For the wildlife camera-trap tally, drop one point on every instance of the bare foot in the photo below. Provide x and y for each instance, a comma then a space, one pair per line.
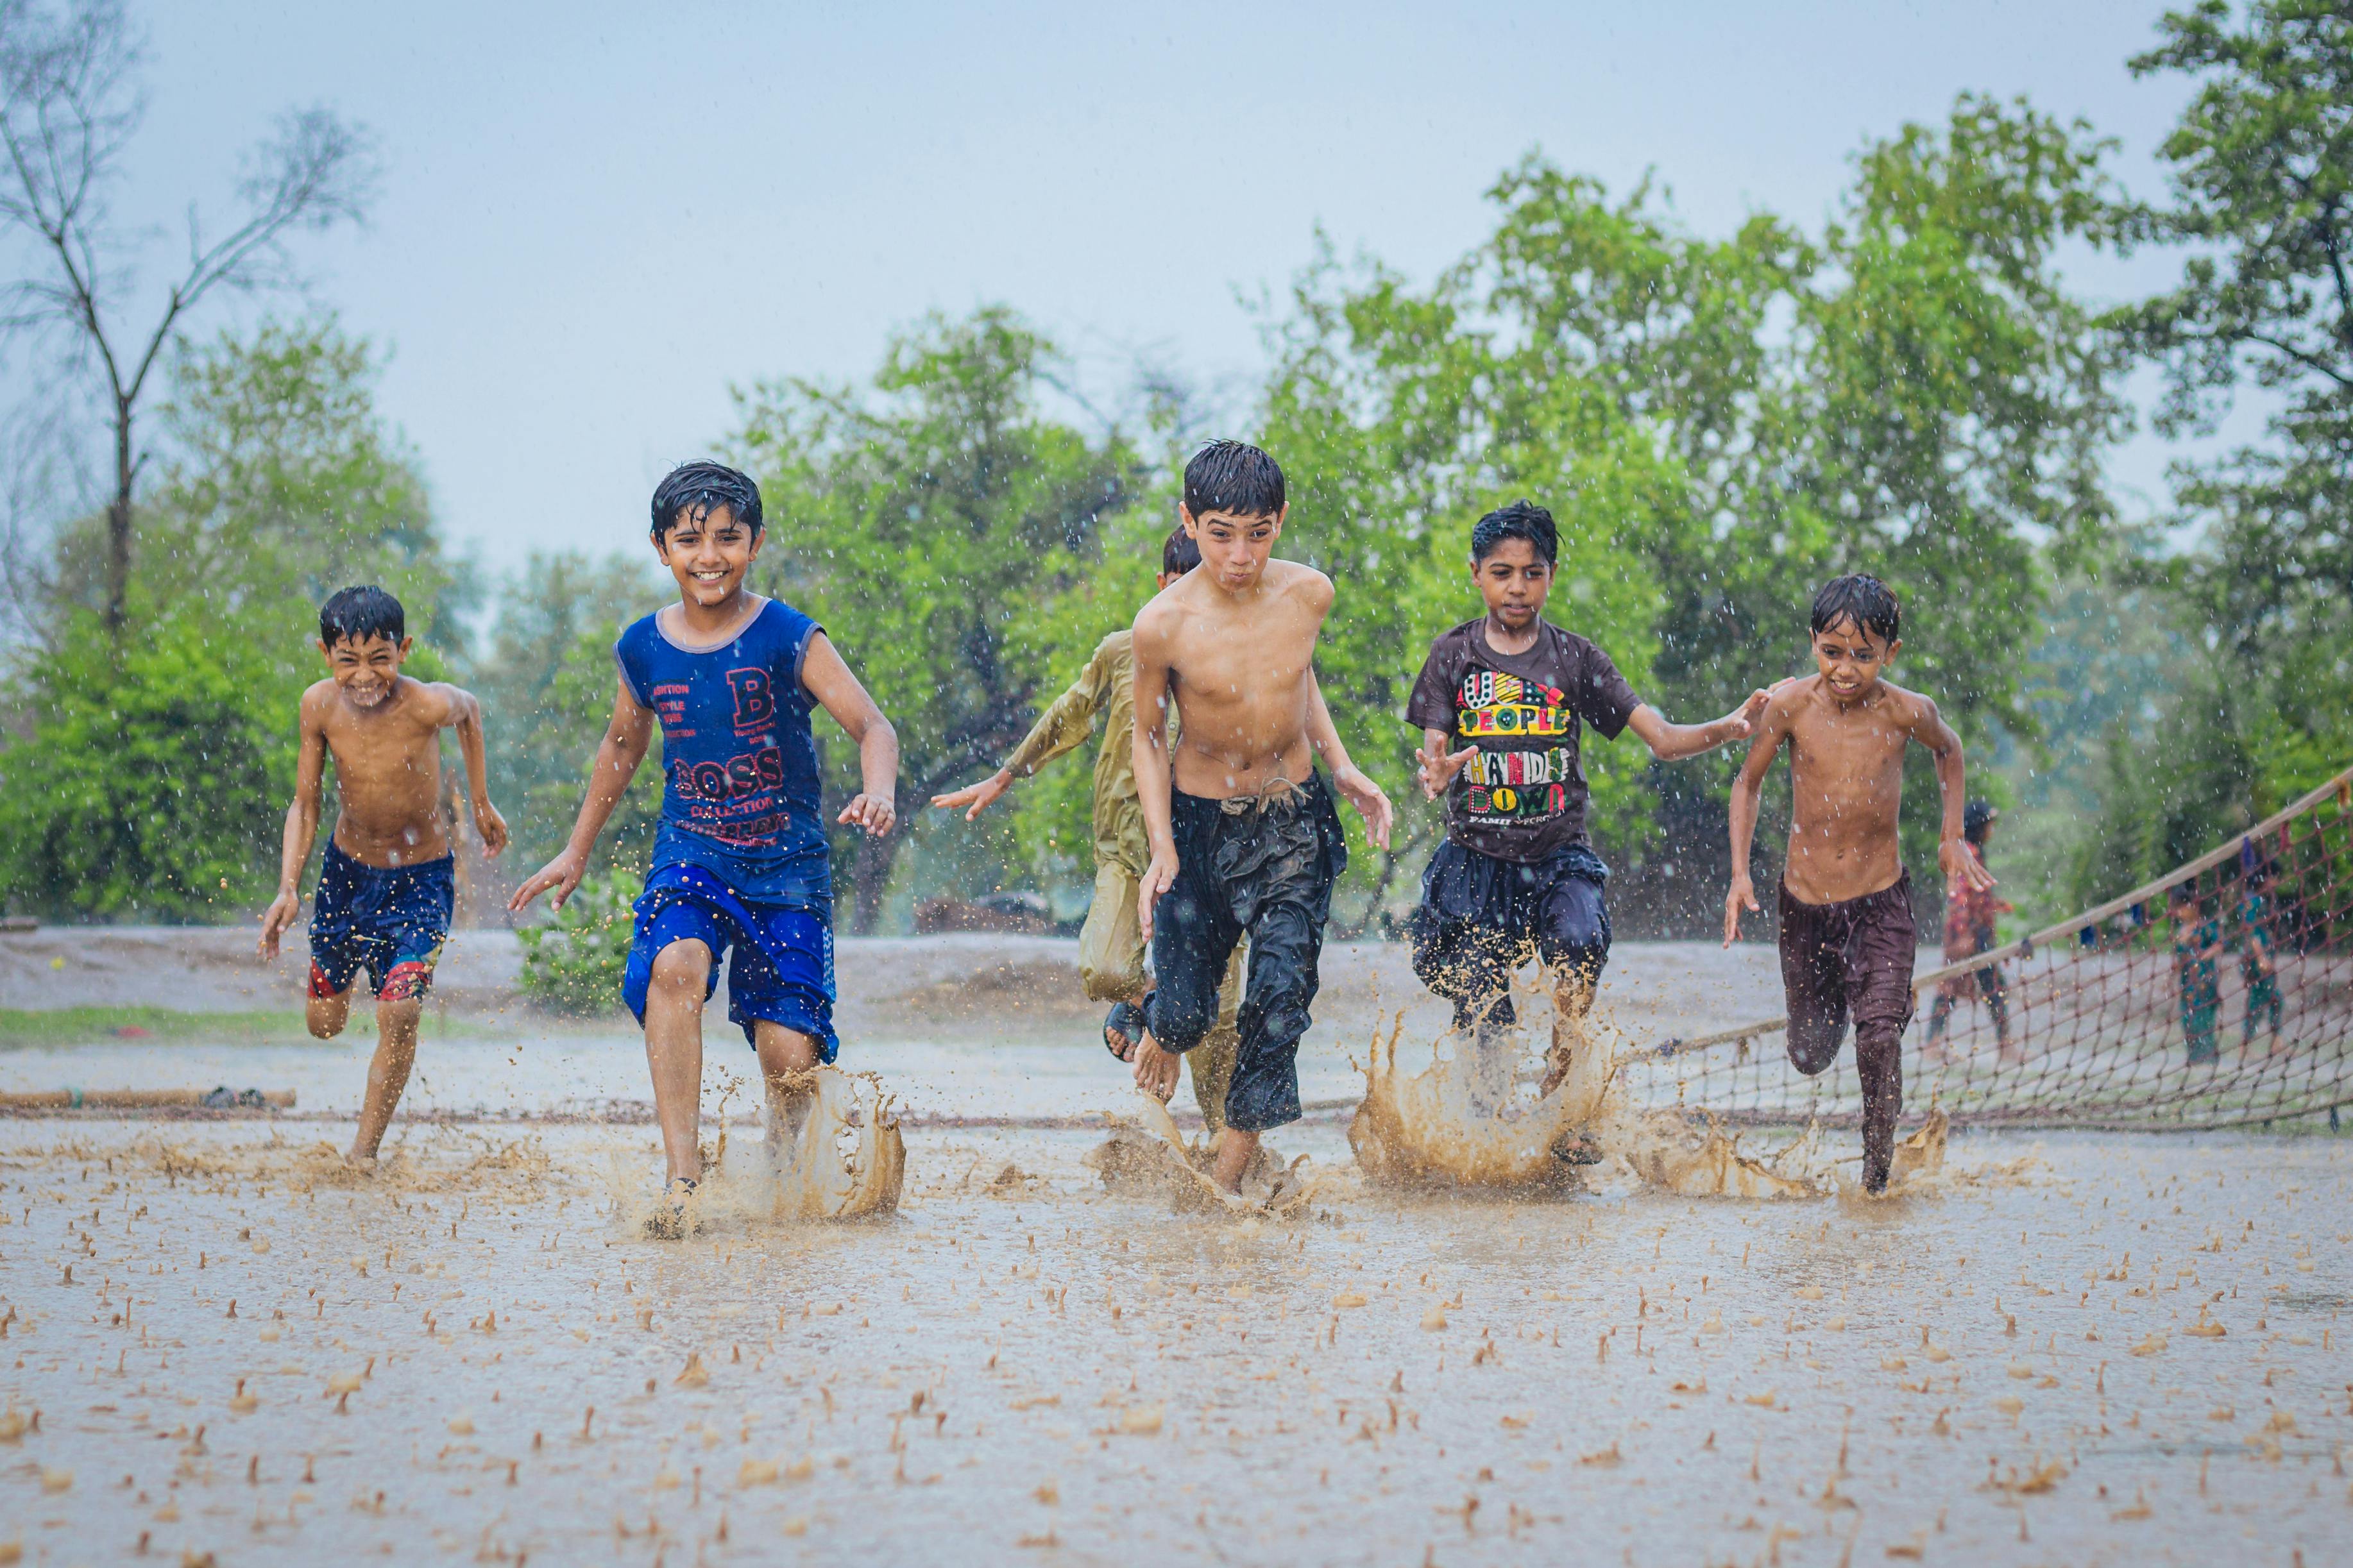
1156, 1070
1235, 1151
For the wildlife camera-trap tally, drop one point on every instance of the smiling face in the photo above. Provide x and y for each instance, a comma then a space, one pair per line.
1852, 660
709, 555
1514, 580
1234, 548
366, 668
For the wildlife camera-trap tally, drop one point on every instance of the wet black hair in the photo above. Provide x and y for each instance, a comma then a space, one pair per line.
1862, 598
1976, 818
1178, 554
1234, 478
701, 489
359, 613
1521, 520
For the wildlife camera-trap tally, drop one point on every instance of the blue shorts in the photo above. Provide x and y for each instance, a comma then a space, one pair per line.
782, 970
390, 921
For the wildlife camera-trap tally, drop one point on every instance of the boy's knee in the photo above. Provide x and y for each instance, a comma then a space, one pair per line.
1180, 1025
1813, 1047
683, 963
1112, 984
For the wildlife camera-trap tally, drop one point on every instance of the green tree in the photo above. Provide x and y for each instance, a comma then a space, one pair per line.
544, 674
160, 755
947, 532
1719, 425
2261, 175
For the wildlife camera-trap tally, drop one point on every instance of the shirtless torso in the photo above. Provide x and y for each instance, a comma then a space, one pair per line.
1846, 774
388, 767
1240, 669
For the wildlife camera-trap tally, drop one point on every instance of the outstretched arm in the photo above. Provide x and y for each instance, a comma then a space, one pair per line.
301, 831
875, 806
1363, 793
1671, 743
1929, 729
1061, 728
1151, 763
465, 714
1748, 794
627, 735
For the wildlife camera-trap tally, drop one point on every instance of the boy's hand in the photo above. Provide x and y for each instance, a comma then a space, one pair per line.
1751, 712
492, 826
277, 918
1961, 867
1156, 1070
1158, 877
1437, 766
1743, 896
875, 813
563, 873
1370, 803
979, 796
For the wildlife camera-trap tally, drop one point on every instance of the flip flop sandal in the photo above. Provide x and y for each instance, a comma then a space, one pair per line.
1124, 1021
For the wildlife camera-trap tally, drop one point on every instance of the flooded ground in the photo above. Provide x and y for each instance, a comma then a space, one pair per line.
2090, 1348
232, 1349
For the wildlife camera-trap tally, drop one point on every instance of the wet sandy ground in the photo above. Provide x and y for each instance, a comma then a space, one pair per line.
233, 1350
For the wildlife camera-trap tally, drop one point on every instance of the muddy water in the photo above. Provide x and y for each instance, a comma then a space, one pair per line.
471, 1357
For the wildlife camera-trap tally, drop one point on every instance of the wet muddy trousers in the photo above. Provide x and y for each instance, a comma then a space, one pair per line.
1853, 959
1481, 918
1264, 868
1111, 967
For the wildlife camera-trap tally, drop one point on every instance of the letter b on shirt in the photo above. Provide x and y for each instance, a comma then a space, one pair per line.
755, 699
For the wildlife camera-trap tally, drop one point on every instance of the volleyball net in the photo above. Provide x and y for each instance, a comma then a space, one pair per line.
2217, 995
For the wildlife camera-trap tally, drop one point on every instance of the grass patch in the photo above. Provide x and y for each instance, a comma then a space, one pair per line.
21, 1027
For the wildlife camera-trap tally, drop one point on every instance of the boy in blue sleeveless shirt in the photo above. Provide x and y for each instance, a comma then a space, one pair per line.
740, 859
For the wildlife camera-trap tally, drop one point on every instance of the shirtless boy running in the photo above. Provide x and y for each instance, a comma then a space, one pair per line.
1847, 937
386, 890
1110, 946
1243, 833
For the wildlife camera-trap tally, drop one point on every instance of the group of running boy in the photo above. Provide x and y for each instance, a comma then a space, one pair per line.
1217, 839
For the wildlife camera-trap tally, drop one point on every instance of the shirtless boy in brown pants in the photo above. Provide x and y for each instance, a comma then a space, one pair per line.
1243, 834
1847, 936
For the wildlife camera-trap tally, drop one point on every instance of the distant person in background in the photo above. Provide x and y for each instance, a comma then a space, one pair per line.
1110, 946
386, 886
2258, 958
1969, 912
740, 861
2196, 948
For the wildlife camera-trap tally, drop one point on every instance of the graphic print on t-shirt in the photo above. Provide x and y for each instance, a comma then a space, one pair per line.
1519, 783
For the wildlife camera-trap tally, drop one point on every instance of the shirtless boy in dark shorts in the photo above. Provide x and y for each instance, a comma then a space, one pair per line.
386, 888
1243, 833
1847, 938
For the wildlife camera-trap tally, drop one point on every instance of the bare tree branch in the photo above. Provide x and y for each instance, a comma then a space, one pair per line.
69, 104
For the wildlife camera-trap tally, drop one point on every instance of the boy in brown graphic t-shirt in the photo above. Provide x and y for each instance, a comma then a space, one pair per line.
1517, 878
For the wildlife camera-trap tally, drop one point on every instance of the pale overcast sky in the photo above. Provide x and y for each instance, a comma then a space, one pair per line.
597, 217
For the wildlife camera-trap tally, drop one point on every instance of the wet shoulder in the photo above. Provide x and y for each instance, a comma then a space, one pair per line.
1794, 701
1913, 709
1302, 582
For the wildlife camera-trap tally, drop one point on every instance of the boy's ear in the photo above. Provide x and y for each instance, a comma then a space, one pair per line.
661, 547
406, 645
320, 643
758, 539
1892, 648
1185, 516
